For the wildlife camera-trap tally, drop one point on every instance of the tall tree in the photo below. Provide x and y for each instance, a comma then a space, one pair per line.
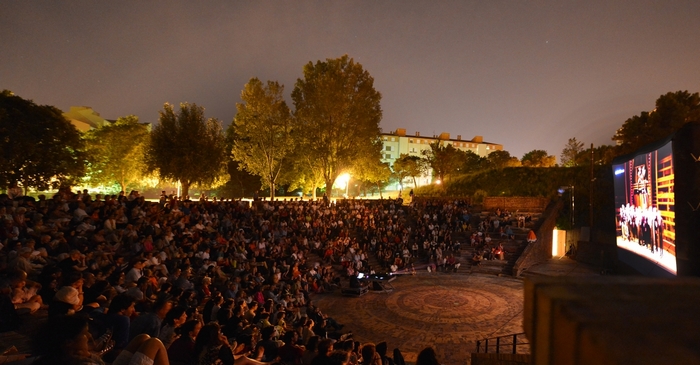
338, 111
501, 159
443, 158
116, 152
570, 152
471, 162
373, 172
409, 166
673, 110
39, 148
538, 158
263, 127
186, 147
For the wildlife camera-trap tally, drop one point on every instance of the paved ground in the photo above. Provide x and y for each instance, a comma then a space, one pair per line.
447, 311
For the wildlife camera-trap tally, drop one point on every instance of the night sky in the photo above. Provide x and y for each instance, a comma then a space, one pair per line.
525, 74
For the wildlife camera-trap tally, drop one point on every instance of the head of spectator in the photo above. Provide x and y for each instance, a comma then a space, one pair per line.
209, 336
176, 317
325, 347
339, 357
370, 355
122, 304
427, 357
64, 340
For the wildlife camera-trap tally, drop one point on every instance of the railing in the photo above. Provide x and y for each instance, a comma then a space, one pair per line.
508, 341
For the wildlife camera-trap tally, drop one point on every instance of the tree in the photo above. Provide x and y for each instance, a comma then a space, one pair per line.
673, 110
409, 166
570, 153
186, 147
263, 126
116, 152
338, 111
471, 162
501, 159
39, 148
602, 155
375, 172
443, 158
538, 158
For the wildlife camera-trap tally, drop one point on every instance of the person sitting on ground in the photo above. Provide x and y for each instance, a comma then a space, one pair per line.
325, 347
65, 340
476, 258
531, 237
212, 347
290, 352
181, 352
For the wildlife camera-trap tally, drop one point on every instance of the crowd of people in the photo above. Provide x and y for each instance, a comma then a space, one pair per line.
125, 280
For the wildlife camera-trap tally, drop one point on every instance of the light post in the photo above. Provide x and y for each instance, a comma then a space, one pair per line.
343, 181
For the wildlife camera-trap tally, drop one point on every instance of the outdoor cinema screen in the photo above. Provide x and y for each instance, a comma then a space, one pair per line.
645, 206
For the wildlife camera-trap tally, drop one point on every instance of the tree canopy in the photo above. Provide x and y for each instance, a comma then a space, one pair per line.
116, 152
39, 148
570, 153
186, 147
409, 166
538, 158
339, 111
673, 110
501, 159
262, 129
443, 158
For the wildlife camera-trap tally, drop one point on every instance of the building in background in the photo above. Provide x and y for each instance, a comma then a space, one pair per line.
84, 118
397, 143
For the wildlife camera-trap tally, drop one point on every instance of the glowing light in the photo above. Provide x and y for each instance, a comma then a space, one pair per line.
438, 182
341, 182
619, 171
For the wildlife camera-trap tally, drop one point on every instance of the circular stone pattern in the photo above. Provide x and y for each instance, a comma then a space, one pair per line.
448, 312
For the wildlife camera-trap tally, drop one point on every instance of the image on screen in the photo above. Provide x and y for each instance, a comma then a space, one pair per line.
644, 205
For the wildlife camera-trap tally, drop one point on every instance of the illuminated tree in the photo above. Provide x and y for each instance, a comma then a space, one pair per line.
538, 158
443, 158
39, 148
116, 152
262, 130
570, 153
373, 172
338, 113
410, 166
501, 159
186, 147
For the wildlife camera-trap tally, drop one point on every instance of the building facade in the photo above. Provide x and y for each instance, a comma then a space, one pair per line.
397, 142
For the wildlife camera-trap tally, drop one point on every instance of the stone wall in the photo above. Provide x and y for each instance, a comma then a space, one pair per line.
516, 203
540, 250
500, 359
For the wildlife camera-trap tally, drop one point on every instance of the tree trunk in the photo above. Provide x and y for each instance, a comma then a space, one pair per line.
272, 191
123, 186
329, 188
414, 182
379, 187
185, 190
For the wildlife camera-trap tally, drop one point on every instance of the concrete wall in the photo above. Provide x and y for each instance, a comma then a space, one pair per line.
540, 250
515, 203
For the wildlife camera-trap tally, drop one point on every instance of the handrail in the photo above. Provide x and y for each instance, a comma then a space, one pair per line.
513, 342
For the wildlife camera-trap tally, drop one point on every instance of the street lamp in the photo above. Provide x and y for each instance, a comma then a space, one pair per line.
343, 181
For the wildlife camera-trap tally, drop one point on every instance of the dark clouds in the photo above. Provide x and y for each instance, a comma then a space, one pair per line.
527, 74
